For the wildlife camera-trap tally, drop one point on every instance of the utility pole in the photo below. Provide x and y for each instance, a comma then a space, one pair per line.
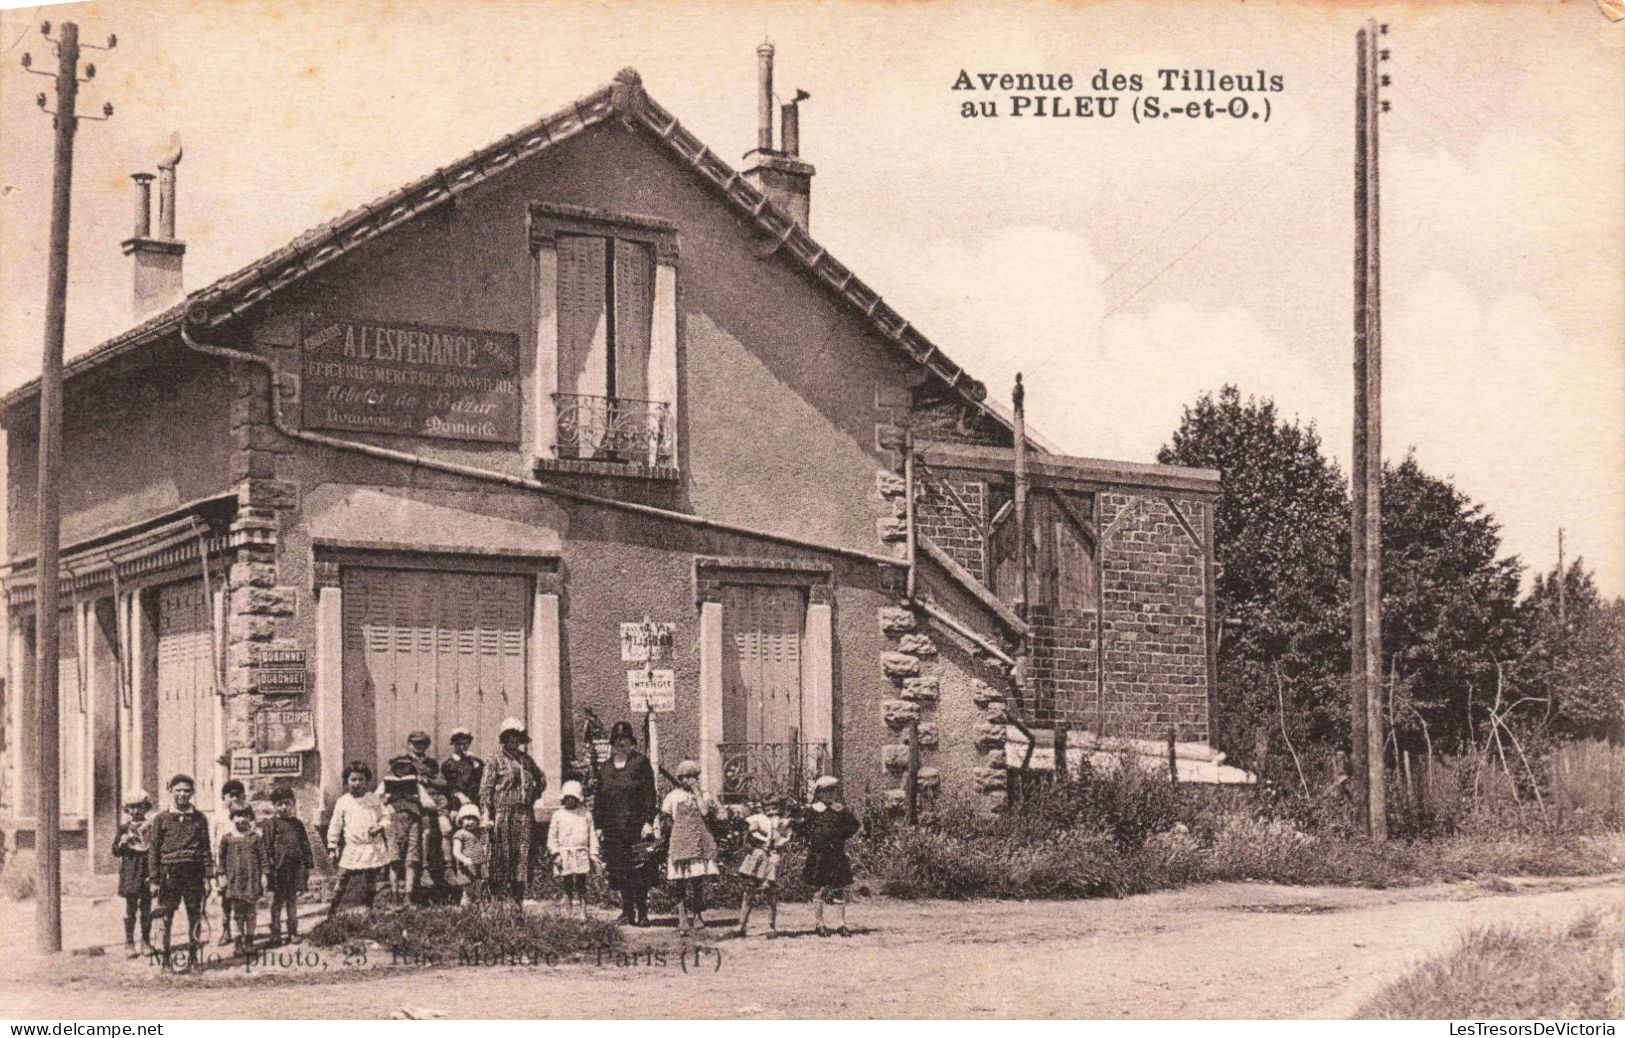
47, 596
1562, 586
1365, 582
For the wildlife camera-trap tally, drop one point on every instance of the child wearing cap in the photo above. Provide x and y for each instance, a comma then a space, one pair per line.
180, 865
768, 831
287, 864
828, 825
470, 853
234, 798
130, 845
404, 796
572, 840
691, 853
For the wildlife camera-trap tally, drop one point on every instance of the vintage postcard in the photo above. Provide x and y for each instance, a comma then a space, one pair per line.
747, 510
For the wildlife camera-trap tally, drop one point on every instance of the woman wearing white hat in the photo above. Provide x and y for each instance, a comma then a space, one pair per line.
509, 787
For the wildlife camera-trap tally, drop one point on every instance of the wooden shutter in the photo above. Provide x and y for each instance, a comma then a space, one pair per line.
433, 651
634, 316
762, 629
582, 327
186, 689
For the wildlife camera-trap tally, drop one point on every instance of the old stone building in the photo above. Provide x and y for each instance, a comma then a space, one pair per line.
584, 424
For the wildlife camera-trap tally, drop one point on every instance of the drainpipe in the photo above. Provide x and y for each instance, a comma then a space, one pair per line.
1019, 398
908, 505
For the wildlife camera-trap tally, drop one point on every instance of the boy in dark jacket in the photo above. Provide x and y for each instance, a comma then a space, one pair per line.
287, 864
234, 799
130, 846
179, 865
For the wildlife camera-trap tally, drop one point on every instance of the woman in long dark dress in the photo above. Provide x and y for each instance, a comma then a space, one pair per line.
509, 788
624, 809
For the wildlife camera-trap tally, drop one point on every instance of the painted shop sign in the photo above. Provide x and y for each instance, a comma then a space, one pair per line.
651, 689
284, 731
646, 641
410, 380
280, 671
267, 765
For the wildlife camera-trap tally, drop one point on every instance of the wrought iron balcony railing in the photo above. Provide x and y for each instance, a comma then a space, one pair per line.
763, 770
608, 428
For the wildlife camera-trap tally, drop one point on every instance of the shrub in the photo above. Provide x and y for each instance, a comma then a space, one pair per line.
1508, 974
17, 876
479, 933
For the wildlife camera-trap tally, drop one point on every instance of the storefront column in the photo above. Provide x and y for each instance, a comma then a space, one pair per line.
818, 677
543, 720
329, 692
711, 697
85, 650
18, 687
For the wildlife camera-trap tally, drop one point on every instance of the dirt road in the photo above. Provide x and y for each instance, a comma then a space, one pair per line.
1228, 950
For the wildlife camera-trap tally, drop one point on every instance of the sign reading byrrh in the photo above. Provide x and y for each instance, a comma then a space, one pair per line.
411, 380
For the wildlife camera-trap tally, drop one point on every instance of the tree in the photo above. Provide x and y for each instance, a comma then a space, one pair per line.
1575, 658
1451, 623
1281, 539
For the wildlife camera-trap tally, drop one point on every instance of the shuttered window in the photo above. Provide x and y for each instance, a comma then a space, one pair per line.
186, 689
606, 313
583, 323
432, 651
761, 695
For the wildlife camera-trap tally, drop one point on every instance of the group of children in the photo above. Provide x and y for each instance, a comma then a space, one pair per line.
403, 827
692, 852
168, 860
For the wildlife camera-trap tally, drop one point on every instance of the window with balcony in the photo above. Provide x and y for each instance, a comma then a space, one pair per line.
607, 342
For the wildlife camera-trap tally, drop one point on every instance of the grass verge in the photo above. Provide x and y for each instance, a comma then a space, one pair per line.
487, 934
1516, 974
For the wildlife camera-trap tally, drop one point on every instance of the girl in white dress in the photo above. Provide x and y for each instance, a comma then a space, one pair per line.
572, 839
691, 853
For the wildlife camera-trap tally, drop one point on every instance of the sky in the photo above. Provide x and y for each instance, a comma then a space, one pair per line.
1125, 268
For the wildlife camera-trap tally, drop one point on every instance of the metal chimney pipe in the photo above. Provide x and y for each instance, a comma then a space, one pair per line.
166, 190
790, 128
143, 204
764, 97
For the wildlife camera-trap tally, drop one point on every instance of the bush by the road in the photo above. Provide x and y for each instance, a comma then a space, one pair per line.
1129, 831
1515, 974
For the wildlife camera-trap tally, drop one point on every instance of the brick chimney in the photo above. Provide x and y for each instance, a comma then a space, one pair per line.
157, 259
779, 172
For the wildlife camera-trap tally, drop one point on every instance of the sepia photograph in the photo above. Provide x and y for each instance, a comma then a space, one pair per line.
768, 510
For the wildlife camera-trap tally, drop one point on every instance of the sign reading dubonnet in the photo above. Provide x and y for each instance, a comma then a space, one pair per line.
411, 380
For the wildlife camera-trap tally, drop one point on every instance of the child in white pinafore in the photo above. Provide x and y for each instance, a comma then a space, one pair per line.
768, 831
691, 852
572, 839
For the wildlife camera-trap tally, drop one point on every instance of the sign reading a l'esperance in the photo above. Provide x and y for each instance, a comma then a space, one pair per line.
410, 380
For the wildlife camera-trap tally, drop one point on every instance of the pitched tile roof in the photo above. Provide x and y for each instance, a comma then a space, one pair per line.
624, 98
